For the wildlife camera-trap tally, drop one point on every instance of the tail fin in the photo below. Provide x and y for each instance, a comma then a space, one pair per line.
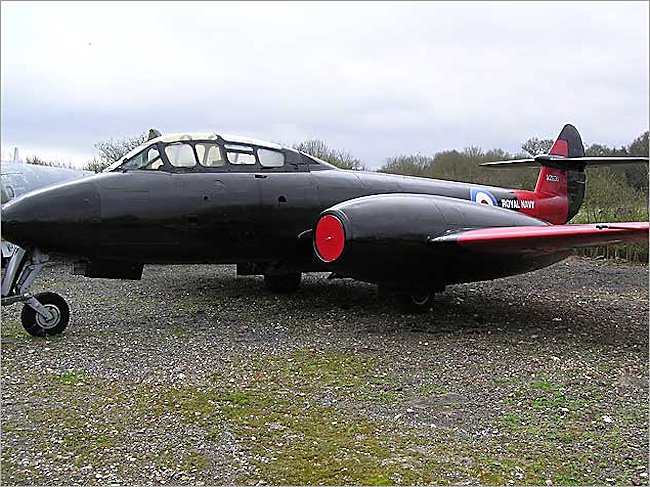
562, 182
568, 143
560, 187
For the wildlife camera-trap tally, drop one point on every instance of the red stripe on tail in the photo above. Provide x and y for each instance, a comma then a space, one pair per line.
560, 148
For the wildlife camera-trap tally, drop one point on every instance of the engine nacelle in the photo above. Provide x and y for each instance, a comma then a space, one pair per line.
386, 239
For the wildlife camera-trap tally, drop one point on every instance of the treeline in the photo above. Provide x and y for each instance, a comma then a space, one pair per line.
38, 161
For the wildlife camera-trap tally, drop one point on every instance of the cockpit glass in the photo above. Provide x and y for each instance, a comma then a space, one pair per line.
240, 154
198, 155
270, 158
209, 155
241, 158
147, 159
155, 161
180, 155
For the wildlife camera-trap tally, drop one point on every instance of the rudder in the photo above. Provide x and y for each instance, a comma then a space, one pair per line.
568, 143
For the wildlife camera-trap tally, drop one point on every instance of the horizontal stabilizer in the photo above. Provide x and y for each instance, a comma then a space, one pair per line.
553, 161
546, 239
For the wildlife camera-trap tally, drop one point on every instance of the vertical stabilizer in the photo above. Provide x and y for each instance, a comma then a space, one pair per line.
568, 143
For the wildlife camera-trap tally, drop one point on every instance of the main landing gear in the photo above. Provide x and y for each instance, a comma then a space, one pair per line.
414, 303
44, 314
413, 300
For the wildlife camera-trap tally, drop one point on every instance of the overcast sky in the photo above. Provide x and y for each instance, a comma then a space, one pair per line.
373, 78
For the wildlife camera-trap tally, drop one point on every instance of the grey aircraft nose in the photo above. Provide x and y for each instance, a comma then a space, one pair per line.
62, 218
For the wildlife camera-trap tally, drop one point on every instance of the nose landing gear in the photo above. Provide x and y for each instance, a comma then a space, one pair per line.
38, 325
44, 314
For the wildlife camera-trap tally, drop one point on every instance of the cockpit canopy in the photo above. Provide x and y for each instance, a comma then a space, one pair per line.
208, 152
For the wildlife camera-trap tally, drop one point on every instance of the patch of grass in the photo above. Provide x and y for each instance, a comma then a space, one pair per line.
195, 462
432, 389
103, 299
388, 398
292, 439
12, 329
565, 427
72, 377
180, 332
528, 467
544, 385
299, 418
91, 424
274, 407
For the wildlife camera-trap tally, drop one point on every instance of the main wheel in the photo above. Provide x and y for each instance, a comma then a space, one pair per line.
38, 326
283, 283
414, 303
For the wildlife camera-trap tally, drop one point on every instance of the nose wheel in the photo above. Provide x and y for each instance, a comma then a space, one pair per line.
38, 325
44, 314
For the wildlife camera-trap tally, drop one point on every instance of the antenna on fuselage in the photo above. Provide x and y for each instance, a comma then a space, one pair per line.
153, 133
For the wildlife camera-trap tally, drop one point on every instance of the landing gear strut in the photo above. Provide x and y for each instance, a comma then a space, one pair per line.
43, 314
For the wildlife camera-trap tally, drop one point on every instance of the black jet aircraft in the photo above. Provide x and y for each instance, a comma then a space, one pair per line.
208, 198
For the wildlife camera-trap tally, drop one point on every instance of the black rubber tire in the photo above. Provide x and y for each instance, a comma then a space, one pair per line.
414, 303
34, 323
283, 283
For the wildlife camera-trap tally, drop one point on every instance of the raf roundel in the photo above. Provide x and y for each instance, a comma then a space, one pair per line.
482, 197
330, 238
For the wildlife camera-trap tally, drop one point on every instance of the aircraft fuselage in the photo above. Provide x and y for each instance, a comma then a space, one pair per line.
149, 217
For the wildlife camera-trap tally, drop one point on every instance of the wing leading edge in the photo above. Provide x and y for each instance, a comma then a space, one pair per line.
545, 239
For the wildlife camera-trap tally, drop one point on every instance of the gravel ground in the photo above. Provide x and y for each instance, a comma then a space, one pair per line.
195, 376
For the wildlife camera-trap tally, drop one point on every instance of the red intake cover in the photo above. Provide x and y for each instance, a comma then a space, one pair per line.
330, 238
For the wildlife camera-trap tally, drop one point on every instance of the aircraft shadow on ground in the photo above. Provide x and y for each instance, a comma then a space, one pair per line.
461, 308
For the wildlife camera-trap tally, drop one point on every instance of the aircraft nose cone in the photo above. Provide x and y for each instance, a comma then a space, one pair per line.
61, 218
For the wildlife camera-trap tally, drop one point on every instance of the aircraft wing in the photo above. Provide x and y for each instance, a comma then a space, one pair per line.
544, 239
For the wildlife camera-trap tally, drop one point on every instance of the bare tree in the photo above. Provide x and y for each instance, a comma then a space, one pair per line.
37, 161
535, 146
95, 165
114, 149
408, 165
339, 158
